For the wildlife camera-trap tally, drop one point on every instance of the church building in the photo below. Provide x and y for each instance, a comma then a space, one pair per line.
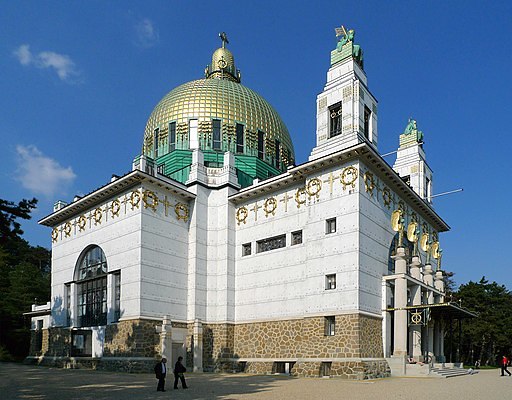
220, 248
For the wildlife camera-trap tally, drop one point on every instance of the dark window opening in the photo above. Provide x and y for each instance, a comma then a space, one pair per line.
246, 249
278, 154
216, 134
116, 278
239, 138
92, 288
335, 114
330, 225
325, 369
330, 325
367, 116
261, 148
81, 343
276, 242
296, 237
156, 138
172, 136
330, 282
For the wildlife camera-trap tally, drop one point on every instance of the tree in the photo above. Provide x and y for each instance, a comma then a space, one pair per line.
24, 276
9, 212
486, 338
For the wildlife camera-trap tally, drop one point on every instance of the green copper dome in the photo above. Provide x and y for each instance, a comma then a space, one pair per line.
218, 114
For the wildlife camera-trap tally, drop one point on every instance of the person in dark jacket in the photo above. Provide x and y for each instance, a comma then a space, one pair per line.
160, 373
179, 369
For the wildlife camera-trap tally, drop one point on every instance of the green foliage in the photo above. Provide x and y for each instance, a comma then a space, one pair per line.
486, 338
24, 277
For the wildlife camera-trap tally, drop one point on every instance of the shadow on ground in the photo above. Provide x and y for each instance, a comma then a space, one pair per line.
18, 381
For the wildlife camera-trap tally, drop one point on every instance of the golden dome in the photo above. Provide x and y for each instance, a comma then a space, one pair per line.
219, 96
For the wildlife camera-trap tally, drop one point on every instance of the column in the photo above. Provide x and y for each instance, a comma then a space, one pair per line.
428, 278
198, 346
166, 338
416, 300
400, 328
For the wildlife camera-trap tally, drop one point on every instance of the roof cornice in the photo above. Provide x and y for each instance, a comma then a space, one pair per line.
113, 188
362, 151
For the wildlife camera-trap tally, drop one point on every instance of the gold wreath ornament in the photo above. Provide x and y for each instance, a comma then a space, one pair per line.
369, 182
82, 221
241, 215
270, 206
135, 199
349, 177
386, 196
300, 196
98, 215
55, 235
150, 199
314, 187
115, 207
181, 211
67, 229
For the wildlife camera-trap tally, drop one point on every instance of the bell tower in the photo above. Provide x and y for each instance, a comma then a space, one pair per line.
411, 163
346, 109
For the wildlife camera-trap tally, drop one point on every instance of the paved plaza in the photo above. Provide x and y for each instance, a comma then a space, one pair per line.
27, 382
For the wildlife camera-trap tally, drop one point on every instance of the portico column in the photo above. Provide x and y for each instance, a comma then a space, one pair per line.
416, 300
166, 338
400, 328
198, 346
429, 280
439, 331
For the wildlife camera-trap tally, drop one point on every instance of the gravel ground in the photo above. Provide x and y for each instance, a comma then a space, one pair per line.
19, 381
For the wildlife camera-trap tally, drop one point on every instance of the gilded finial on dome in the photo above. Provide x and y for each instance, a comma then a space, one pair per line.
224, 39
223, 63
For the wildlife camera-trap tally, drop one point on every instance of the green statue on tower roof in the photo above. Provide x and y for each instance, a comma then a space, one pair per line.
412, 129
346, 38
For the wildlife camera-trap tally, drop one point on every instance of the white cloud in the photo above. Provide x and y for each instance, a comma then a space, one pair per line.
24, 55
42, 174
147, 35
61, 63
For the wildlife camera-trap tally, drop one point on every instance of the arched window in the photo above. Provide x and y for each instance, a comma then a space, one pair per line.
91, 280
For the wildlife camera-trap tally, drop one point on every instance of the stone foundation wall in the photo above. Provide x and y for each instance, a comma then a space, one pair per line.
218, 343
355, 336
348, 370
133, 338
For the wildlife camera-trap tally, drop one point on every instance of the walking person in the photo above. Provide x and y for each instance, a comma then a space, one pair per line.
160, 373
179, 369
504, 364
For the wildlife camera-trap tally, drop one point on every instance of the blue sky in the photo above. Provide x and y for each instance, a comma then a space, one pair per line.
78, 81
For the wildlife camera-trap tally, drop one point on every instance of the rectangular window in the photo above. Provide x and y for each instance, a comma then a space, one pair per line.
330, 225
278, 154
81, 343
330, 325
427, 189
92, 302
116, 282
330, 282
217, 142
407, 179
239, 138
172, 136
325, 369
271, 243
67, 289
296, 237
335, 114
367, 117
261, 147
192, 134
246, 249
155, 144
